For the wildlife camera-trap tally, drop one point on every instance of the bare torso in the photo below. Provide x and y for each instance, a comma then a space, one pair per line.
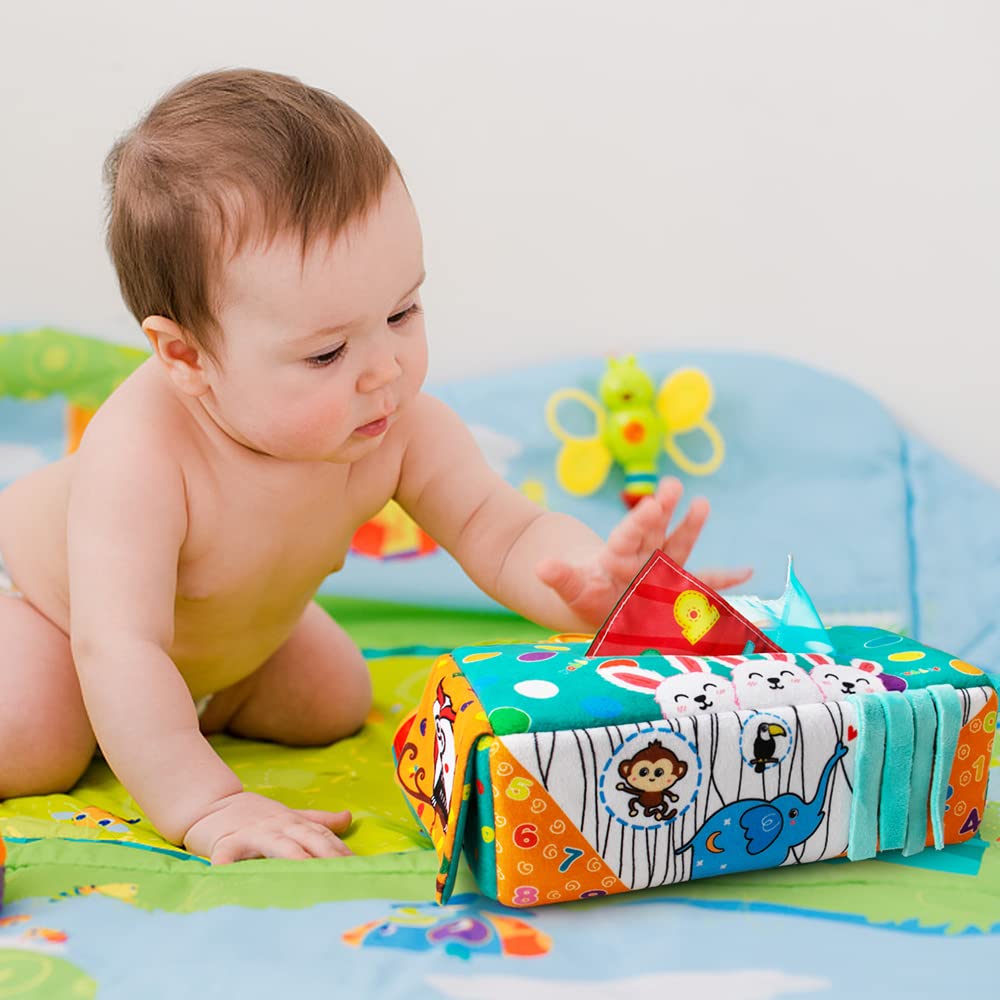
262, 534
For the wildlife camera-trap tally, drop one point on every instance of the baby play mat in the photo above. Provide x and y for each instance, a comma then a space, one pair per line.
96, 904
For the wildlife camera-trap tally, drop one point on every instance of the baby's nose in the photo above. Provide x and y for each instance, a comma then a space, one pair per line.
382, 370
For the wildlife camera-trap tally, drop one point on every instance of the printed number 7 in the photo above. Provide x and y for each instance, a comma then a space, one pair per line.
571, 855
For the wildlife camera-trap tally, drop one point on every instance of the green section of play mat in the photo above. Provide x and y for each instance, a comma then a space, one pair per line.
380, 625
355, 773
944, 900
39, 363
955, 891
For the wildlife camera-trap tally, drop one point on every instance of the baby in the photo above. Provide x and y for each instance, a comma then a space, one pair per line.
264, 239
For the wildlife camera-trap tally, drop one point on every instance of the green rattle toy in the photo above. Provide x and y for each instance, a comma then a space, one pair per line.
631, 429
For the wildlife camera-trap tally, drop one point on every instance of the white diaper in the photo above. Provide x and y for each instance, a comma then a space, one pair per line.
7, 588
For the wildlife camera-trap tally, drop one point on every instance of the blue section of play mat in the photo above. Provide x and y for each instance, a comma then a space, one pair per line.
883, 529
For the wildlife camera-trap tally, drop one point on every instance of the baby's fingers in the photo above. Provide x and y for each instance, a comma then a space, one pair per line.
319, 842
256, 844
566, 581
721, 579
336, 821
679, 543
640, 531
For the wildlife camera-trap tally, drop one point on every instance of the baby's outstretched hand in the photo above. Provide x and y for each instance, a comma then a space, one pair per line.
591, 589
247, 825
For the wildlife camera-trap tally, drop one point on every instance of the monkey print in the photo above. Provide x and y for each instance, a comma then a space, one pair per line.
648, 777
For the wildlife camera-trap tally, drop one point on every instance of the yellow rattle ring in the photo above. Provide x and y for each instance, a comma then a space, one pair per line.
693, 468
584, 460
578, 395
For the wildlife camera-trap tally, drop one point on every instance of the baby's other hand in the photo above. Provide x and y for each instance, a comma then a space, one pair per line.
247, 825
592, 589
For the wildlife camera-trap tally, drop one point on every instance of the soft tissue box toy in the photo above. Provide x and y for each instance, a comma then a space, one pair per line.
682, 742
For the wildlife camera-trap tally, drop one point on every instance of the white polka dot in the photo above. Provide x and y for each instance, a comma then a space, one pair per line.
536, 689
816, 646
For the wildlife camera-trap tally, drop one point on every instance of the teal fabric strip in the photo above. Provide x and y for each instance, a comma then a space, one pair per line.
480, 834
949, 713
895, 798
862, 836
924, 730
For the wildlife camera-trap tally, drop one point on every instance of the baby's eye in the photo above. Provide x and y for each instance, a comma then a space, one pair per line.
398, 319
326, 358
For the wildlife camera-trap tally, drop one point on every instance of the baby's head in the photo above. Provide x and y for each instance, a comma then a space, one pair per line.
264, 239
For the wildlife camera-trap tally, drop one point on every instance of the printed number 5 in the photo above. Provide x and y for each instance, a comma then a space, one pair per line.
519, 788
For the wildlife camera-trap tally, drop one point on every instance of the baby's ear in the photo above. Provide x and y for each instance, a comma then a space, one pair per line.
179, 354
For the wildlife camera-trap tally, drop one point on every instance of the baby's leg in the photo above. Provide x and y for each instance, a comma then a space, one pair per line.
46, 741
314, 690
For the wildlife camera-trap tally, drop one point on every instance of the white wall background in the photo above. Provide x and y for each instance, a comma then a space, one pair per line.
815, 179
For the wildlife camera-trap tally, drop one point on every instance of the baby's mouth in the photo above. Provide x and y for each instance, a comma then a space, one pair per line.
375, 427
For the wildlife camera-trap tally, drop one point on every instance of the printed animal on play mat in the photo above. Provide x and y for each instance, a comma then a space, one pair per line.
758, 833
92, 816
464, 928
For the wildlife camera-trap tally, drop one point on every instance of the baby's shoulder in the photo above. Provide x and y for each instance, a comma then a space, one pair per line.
142, 419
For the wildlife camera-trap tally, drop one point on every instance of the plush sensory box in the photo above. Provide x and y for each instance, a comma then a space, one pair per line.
563, 775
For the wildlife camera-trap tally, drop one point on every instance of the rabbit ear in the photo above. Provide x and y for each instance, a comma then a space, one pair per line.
688, 664
729, 662
868, 666
819, 659
632, 678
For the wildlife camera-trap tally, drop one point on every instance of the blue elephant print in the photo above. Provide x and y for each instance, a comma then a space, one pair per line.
757, 833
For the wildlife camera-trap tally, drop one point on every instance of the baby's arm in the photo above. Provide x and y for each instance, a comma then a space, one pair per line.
126, 523
547, 566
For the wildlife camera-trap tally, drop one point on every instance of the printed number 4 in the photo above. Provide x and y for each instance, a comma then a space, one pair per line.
571, 855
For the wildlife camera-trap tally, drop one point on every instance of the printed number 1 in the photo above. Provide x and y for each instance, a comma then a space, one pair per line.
571, 855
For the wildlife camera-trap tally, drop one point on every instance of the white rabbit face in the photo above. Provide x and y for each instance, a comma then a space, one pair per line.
689, 694
837, 680
694, 691
765, 683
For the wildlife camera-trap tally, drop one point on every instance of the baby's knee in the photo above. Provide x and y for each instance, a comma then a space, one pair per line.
37, 759
341, 706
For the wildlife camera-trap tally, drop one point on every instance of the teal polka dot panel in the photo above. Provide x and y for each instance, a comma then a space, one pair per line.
553, 685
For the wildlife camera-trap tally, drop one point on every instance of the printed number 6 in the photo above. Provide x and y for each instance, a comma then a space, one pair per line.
526, 835
519, 788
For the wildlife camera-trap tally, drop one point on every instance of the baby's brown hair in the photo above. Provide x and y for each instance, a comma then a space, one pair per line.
222, 159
